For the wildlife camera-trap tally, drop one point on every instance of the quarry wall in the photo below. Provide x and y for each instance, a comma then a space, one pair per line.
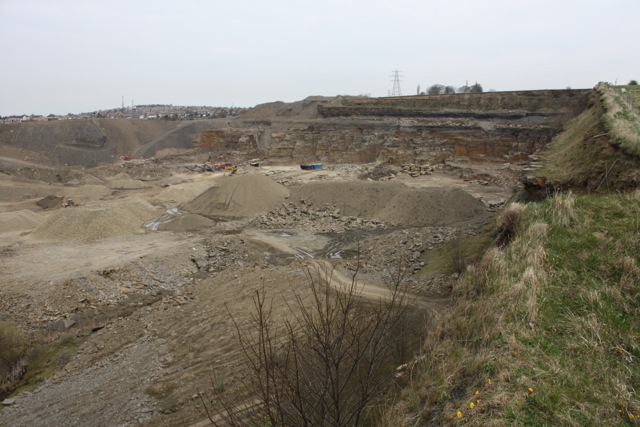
494, 126
505, 126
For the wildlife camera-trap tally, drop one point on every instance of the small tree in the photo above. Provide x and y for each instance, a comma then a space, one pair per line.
633, 82
435, 89
476, 88
327, 365
449, 90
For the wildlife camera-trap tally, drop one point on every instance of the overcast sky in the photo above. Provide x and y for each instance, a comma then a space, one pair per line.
62, 56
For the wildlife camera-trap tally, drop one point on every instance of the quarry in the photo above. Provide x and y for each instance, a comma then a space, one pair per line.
131, 298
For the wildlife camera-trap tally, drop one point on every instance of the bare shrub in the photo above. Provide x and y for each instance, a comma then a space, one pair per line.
507, 223
458, 258
328, 364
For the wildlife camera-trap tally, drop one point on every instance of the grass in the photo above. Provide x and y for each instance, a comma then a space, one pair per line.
545, 332
26, 360
566, 157
592, 154
13, 350
622, 118
453, 256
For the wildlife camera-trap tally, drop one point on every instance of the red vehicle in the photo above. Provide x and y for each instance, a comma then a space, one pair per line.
223, 166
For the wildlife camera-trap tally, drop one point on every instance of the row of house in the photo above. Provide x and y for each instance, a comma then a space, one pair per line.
138, 112
39, 118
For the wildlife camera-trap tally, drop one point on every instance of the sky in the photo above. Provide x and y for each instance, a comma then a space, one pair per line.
73, 56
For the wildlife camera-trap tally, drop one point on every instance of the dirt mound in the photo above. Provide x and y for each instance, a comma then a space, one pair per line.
424, 207
184, 192
393, 202
18, 220
50, 202
242, 196
127, 184
187, 222
96, 222
305, 109
353, 198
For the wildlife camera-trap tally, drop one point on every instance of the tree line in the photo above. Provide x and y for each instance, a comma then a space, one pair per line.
440, 89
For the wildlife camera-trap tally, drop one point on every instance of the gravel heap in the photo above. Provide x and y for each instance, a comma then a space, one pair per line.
18, 220
393, 202
50, 202
184, 192
241, 196
96, 221
327, 218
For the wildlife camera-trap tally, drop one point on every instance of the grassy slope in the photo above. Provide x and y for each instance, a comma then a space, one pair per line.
545, 332
622, 118
586, 157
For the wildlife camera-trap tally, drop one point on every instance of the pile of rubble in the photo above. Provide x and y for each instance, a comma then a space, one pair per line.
417, 170
327, 218
380, 173
222, 254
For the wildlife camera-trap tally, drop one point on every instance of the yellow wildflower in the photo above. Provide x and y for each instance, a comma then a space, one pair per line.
459, 414
489, 381
530, 389
472, 405
631, 416
477, 392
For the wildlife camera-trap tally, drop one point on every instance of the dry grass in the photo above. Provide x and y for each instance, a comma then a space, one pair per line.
545, 331
621, 119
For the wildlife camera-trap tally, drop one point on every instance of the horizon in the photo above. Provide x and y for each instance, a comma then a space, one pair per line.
127, 107
75, 56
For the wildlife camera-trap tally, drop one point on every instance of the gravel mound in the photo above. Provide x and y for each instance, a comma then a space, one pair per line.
393, 202
96, 222
50, 202
427, 207
19, 220
354, 198
242, 196
127, 184
184, 192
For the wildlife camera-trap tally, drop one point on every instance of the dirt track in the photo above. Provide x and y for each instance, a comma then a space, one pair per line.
153, 308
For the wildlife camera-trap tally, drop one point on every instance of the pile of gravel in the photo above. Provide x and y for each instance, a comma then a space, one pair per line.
50, 202
393, 202
241, 196
317, 219
18, 220
96, 221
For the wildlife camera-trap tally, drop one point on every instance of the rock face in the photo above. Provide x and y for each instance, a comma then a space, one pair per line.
417, 129
498, 126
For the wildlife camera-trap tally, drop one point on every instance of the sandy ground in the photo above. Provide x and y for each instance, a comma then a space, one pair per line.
152, 295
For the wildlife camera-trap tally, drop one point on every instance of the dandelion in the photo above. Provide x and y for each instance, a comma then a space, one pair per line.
472, 405
631, 416
530, 389
489, 381
459, 414
477, 392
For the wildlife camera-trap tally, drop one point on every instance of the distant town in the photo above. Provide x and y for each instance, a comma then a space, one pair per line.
137, 112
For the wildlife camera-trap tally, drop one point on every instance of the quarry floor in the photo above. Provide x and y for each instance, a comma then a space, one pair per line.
149, 289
